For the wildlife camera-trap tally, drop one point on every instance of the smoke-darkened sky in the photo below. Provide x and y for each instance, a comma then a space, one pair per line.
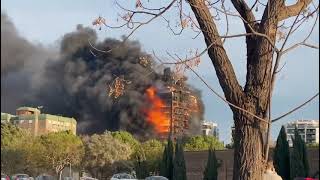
43, 21
74, 80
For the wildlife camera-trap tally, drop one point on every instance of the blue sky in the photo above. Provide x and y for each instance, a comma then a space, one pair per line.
46, 21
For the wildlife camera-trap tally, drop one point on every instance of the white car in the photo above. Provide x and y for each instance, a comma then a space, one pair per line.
87, 178
21, 177
123, 176
156, 178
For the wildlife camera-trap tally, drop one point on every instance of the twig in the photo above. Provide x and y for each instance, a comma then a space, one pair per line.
217, 94
294, 109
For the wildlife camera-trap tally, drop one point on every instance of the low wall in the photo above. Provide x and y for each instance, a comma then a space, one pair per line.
196, 162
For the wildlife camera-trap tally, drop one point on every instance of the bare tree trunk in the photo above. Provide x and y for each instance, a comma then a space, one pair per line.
250, 133
248, 149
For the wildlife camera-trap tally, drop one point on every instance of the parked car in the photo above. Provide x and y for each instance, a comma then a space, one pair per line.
4, 177
123, 176
156, 178
87, 178
44, 177
21, 177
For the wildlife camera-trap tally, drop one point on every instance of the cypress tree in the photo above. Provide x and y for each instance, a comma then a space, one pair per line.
141, 169
163, 164
211, 171
305, 159
281, 155
166, 168
179, 165
299, 159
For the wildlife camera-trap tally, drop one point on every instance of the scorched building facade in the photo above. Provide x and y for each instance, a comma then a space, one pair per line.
181, 105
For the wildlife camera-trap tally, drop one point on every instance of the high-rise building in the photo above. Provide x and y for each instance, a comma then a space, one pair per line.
308, 130
180, 104
32, 120
210, 129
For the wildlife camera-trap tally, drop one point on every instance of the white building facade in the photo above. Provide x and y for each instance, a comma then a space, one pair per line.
308, 130
210, 129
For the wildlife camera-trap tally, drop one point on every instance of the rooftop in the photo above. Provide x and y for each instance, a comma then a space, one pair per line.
209, 123
28, 109
310, 122
45, 117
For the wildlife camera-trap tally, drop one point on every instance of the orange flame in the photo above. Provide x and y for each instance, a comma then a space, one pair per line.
154, 113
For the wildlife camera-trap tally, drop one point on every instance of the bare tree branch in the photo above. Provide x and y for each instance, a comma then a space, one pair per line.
294, 109
293, 10
210, 88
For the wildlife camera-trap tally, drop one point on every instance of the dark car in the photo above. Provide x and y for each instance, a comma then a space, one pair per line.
156, 178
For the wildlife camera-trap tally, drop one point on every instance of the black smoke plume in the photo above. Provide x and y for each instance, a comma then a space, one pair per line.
75, 81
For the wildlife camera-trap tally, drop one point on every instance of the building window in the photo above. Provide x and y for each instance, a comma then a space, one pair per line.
30, 121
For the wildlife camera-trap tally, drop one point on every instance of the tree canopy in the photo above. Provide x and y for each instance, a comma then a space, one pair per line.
103, 151
201, 143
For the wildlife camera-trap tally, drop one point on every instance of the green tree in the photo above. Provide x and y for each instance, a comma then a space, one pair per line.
179, 164
141, 168
281, 155
166, 168
20, 151
211, 171
313, 145
103, 151
153, 152
125, 137
62, 149
299, 160
201, 143
163, 164
10, 134
128, 138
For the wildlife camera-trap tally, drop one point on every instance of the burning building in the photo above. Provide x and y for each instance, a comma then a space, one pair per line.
102, 91
174, 107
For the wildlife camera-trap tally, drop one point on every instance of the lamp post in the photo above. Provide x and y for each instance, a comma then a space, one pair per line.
171, 119
70, 171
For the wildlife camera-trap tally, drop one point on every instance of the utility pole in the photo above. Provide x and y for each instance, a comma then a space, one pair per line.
171, 119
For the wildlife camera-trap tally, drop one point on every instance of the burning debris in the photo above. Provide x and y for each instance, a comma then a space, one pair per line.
144, 61
99, 22
117, 87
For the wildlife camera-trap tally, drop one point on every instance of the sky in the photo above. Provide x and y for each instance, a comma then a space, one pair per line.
44, 22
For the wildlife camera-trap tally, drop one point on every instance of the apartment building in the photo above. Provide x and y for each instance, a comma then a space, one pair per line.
210, 129
181, 104
308, 130
31, 119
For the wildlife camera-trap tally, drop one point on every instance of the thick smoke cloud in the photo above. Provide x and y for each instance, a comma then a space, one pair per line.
21, 62
75, 81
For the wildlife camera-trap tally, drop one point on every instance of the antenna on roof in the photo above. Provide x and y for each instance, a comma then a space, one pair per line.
39, 107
